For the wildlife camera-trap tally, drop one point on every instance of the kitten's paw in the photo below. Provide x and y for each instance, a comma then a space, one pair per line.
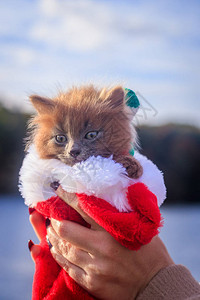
135, 170
132, 166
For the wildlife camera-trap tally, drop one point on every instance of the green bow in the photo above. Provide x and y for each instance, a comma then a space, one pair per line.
132, 151
133, 102
131, 99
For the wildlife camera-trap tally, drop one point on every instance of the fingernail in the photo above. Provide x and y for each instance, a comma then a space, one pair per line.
31, 210
30, 244
55, 185
48, 242
47, 222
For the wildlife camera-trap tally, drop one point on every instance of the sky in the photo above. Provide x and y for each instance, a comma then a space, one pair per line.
151, 47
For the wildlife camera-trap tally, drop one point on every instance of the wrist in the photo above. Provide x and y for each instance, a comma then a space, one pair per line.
150, 276
154, 262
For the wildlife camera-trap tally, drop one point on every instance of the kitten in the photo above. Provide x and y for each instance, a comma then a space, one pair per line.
84, 122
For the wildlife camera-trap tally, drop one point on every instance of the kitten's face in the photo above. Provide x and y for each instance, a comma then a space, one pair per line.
82, 123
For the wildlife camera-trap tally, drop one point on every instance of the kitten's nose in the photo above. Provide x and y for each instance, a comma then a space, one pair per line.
74, 152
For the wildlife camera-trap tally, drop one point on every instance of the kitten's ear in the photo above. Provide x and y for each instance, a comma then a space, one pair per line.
41, 104
115, 97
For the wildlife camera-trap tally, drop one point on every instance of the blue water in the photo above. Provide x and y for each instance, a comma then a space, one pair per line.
180, 234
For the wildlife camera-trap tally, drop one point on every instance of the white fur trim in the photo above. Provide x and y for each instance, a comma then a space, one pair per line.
98, 176
152, 177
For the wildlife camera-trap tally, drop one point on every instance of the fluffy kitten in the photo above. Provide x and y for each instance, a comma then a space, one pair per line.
83, 122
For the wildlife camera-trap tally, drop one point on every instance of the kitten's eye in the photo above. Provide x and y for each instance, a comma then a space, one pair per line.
60, 139
91, 135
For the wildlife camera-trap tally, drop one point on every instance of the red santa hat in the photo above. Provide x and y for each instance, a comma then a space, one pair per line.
126, 208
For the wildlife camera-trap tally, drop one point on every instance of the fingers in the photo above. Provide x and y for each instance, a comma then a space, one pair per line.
75, 272
92, 272
72, 259
38, 223
71, 200
80, 236
70, 252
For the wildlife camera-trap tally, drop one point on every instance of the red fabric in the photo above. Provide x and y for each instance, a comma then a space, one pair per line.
132, 230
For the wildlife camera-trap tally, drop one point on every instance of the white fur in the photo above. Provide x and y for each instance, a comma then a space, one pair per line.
152, 177
98, 176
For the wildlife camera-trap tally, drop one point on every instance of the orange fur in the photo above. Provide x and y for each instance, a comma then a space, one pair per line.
74, 114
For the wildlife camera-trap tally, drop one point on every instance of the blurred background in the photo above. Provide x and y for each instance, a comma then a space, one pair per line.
151, 47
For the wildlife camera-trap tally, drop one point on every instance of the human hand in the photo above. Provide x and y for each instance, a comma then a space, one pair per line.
95, 260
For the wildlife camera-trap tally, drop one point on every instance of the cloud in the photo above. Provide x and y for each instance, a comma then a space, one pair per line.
86, 25
74, 25
151, 46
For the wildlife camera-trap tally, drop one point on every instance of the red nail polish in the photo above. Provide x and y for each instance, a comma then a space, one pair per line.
31, 210
30, 244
